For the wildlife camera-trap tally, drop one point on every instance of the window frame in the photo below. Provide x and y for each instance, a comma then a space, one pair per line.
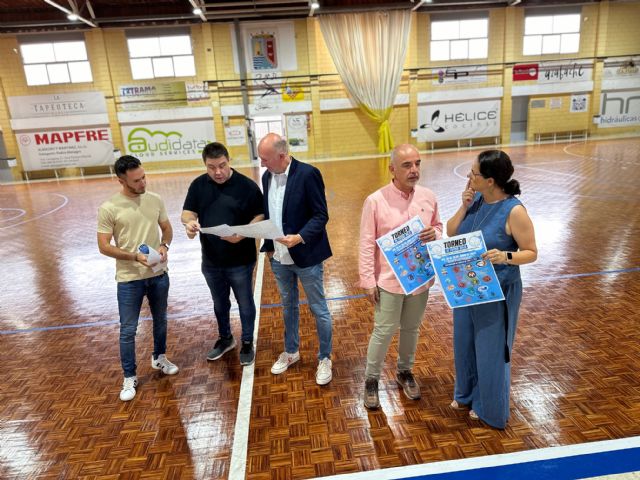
155, 66
66, 68
550, 42
455, 41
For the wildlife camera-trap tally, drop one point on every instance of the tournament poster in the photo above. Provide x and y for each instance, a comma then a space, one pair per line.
407, 255
465, 277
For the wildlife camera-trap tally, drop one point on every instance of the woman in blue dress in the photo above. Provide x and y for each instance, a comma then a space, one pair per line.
483, 334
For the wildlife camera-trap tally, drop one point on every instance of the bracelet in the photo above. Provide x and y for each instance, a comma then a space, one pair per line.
165, 245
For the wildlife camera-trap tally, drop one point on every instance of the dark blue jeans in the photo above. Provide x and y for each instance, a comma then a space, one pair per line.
221, 280
130, 295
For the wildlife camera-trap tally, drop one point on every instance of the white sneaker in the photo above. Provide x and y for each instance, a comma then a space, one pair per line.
284, 361
128, 388
324, 374
163, 363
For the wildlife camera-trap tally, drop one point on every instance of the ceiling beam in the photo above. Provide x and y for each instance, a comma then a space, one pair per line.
69, 12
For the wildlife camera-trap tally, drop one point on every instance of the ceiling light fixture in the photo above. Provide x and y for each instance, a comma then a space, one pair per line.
198, 9
70, 13
512, 3
315, 5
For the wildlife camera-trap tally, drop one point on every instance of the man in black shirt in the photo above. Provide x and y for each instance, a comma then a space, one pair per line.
223, 195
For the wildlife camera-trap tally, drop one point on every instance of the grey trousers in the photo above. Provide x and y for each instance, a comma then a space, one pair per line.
395, 311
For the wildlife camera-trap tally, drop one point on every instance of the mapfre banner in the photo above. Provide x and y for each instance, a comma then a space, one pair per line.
78, 147
454, 121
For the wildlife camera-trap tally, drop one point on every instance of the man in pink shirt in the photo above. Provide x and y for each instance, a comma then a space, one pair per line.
384, 210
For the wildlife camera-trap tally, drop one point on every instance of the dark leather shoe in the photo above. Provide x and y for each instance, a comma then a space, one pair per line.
371, 398
408, 383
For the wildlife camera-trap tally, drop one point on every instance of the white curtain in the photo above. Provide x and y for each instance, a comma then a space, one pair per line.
368, 50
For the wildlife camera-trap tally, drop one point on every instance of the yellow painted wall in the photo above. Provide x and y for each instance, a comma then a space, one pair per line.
608, 29
559, 119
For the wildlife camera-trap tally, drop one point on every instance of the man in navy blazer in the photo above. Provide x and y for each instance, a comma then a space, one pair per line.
294, 199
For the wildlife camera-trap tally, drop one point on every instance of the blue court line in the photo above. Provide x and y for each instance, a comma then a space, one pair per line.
565, 468
582, 460
303, 302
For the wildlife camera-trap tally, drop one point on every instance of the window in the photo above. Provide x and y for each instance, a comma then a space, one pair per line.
161, 56
47, 63
459, 39
546, 34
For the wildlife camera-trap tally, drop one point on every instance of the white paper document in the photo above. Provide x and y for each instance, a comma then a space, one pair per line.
223, 230
153, 257
264, 229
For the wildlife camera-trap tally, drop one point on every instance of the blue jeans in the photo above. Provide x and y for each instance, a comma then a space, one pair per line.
130, 295
220, 281
311, 279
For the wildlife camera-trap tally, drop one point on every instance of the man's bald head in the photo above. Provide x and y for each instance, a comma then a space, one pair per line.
405, 167
403, 151
273, 151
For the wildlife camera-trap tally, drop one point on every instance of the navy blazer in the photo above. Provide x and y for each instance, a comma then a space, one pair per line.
304, 211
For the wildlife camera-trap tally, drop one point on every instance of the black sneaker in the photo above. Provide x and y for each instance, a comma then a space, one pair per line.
222, 346
247, 355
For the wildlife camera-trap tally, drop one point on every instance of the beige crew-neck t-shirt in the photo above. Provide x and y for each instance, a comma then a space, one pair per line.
133, 221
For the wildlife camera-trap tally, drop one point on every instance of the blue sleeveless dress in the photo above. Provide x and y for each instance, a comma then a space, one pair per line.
483, 334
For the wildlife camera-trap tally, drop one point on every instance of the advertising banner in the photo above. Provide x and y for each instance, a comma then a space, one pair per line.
525, 71
168, 141
161, 95
65, 148
460, 75
621, 68
57, 105
453, 121
619, 109
297, 133
235, 135
565, 71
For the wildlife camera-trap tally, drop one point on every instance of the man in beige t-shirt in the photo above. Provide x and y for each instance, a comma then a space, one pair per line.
131, 218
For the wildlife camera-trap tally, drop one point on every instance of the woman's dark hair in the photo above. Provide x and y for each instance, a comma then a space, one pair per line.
125, 163
497, 165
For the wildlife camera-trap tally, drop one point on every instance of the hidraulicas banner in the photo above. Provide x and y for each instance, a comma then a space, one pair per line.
80, 147
168, 141
453, 121
619, 109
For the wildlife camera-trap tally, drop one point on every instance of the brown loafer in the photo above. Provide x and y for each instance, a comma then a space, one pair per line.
408, 383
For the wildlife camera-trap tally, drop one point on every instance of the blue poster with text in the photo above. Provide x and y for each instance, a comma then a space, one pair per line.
407, 255
466, 278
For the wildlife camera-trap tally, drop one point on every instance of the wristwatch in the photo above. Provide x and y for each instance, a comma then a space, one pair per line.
509, 256
165, 245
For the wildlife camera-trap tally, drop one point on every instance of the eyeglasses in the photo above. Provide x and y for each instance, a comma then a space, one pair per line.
471, 172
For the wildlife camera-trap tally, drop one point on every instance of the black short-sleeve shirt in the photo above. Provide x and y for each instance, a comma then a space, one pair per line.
236, 202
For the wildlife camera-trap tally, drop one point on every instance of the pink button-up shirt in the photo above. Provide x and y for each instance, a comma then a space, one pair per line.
384, 210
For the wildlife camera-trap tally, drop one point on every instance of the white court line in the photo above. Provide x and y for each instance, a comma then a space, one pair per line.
455, 170
20, 211
238, 463
548, 453
66, 200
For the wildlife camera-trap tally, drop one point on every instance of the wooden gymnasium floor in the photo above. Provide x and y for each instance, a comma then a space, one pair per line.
576, 372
